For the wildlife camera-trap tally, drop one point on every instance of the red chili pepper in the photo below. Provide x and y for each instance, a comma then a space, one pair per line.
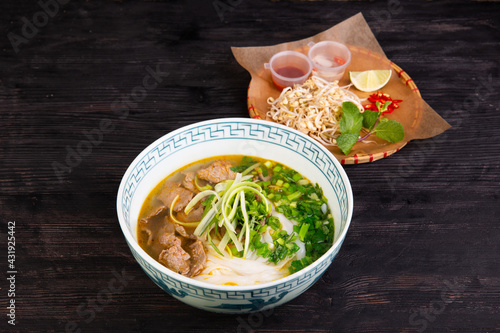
382, 98
370, 107
339, 61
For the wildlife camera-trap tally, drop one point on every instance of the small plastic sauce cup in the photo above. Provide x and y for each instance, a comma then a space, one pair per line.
289, 68
330, 59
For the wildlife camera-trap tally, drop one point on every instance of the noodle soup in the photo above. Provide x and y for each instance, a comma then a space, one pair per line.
235, 220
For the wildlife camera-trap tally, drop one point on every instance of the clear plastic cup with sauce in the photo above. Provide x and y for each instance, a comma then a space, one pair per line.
289, 68
330, 59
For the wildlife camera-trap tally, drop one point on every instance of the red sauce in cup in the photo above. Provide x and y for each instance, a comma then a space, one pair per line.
290, 71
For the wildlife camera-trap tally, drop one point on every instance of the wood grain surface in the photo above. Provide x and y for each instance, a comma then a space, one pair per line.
423, 250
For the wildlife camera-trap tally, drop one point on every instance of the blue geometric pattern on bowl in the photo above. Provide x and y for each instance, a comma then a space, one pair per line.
237, 301
219, 298
237, 130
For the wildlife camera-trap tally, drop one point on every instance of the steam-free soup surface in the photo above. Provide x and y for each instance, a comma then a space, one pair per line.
235, 220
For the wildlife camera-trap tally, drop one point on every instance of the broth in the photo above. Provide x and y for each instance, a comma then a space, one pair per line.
235, 220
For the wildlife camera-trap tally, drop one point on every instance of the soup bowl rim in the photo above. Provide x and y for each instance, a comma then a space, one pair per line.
131, 240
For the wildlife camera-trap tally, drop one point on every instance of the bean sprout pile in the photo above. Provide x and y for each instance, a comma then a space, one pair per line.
313, 108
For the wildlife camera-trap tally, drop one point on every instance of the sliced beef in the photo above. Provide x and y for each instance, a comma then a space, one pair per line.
149, 226
169, 240
194, 215
176, 259
168, 193
198, 257
188, 260
188, 181
181, 251
181, 231
148, 236
162, 227
217, 172
166, 226
159, 211
175, 248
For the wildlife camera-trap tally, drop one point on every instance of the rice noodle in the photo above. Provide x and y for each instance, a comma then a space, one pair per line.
241, 272
313, 108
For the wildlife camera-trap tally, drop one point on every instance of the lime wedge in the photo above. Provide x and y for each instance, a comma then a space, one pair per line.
370, 80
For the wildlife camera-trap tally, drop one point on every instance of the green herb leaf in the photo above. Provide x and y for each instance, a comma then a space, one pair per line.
389, 130
347, 141
246, 162
349, 107
351, 120
369, 118
386, 105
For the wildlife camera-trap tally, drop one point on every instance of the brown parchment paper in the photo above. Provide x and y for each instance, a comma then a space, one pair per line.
420, 121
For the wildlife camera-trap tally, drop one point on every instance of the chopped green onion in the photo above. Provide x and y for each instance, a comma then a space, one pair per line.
250, 168
235, 252
314, 196
303, 182
303, 231
294, 196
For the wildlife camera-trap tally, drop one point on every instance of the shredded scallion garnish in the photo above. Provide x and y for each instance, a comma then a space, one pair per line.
239, 215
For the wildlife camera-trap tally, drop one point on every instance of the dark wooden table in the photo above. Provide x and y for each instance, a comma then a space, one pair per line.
423, 250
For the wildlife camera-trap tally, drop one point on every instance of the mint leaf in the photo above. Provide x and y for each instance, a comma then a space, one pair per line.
349, 107
369, 118
351, 120
390, 130
351, 123
346, 141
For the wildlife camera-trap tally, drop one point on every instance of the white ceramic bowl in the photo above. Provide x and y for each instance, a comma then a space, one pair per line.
233, 136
